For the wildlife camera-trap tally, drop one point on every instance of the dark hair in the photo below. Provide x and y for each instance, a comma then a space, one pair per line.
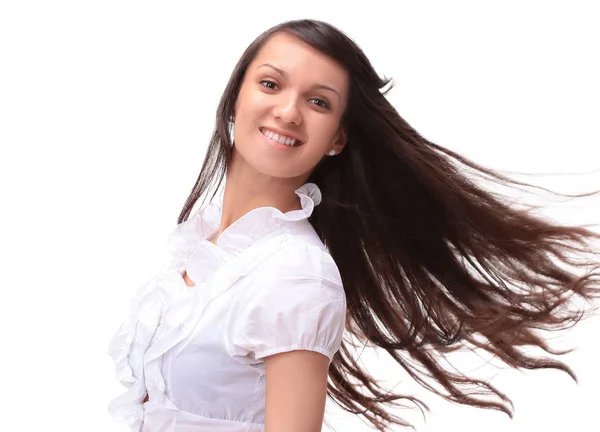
430, 261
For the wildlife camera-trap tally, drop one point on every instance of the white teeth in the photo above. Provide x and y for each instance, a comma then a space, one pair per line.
280, 139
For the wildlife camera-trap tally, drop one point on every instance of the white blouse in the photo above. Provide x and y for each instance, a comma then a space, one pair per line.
268, 286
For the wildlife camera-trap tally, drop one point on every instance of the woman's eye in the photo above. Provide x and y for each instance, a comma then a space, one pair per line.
264, 82
320, 102
324, 103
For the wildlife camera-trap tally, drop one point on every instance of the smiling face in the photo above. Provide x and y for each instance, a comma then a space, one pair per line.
293, 90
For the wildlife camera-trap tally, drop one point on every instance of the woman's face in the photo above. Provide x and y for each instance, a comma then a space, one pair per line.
293, 90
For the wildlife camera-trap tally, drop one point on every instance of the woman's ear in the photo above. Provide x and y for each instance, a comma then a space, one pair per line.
340, 141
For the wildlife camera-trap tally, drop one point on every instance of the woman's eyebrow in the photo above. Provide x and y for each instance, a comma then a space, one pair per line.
285, 75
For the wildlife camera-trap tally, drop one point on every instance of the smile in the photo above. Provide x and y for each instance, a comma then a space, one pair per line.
281, 139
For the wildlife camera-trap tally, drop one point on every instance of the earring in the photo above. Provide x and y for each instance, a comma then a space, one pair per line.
231, 132
331, 152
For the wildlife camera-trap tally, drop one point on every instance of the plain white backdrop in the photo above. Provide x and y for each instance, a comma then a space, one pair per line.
106, 109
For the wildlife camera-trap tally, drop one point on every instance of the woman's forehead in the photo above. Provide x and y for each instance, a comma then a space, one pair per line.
287, 55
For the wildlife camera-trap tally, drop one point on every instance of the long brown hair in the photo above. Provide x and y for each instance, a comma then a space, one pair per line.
430, 261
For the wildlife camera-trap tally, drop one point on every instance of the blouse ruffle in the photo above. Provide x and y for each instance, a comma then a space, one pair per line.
164, 311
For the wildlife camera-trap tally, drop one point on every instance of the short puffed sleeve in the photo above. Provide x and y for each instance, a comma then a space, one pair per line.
293, 301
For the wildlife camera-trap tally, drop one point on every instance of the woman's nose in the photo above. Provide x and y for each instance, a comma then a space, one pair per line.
288, 111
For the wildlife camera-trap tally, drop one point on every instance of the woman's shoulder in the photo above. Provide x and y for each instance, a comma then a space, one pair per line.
301, 235
298, 257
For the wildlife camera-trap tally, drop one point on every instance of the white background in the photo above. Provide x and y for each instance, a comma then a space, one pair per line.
106, 109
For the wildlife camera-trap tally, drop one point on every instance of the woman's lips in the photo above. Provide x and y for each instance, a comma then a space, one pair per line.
270, 132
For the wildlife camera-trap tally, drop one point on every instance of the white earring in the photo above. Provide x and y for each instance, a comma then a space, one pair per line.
331, 152
231, 132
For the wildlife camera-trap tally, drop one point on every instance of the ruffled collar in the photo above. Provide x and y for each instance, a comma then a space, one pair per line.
245, 231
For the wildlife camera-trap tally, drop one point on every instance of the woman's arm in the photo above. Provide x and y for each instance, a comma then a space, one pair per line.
296, 391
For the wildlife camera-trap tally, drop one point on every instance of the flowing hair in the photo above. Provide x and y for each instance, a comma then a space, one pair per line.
431, 262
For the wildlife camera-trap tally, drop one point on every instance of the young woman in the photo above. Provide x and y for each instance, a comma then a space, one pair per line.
336, 216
